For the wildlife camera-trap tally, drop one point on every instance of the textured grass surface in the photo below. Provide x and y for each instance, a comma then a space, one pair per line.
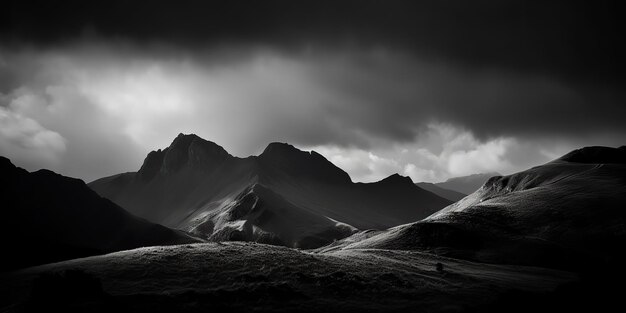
247, 276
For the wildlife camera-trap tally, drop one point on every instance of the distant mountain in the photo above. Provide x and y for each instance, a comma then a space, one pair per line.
451, 195
466, 184
48, 217
285, 195
456, 188
566, 214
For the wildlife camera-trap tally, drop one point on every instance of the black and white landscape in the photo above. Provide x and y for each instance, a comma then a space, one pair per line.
530, 240
308, 156
284, 196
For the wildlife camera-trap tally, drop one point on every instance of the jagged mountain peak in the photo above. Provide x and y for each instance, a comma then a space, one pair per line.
397, 179
280, 147
296, 162
306, 180
185, 150
192, 142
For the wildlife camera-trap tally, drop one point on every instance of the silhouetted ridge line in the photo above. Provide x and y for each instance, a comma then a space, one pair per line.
397, 179
596, 154
304, 164
466, 184
449, 194
185, 151
50, 217
566, 214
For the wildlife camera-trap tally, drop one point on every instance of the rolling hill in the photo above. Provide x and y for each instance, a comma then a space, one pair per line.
567, 214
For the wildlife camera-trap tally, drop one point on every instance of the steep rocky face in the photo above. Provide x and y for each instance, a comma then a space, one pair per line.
261, 215
300, 164
66, 219
151, 165
186, 151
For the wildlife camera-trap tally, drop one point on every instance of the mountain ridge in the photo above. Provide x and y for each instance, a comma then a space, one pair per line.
449, 194
67, 220
466, 184
562, 214
304, 179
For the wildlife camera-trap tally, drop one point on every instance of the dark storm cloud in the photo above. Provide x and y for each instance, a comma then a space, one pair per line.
365, 99
428, 89
393, 94
580, 40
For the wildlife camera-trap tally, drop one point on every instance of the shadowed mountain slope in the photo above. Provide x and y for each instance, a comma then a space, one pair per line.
65, 219
451, 195
466, 184
193, 178
568, 213
259, 214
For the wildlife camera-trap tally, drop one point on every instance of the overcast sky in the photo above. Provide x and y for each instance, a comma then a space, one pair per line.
430, 90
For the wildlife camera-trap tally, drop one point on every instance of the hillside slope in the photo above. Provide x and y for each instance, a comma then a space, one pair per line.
466, 184
451, 195
250, 277
568, 213
65, 219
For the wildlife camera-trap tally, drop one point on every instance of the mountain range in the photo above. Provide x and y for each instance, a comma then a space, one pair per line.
463, 185
451, 195
282, 196
545, 239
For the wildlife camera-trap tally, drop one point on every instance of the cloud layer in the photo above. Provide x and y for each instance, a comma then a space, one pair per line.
25, 139
95, 108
